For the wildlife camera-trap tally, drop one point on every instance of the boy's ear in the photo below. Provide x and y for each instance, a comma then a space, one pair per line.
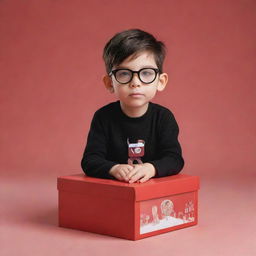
108, 83
163, 79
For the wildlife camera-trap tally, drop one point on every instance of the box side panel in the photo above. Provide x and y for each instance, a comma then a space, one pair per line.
167, 213
137, 221
101, 215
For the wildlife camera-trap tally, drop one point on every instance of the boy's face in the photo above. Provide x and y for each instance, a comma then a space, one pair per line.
136, 94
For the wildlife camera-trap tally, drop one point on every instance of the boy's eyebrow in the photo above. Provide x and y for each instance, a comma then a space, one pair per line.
123, 67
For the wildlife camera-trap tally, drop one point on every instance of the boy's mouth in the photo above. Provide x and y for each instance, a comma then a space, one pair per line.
136, 95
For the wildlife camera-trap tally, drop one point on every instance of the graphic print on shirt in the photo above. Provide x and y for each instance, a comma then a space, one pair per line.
136, 150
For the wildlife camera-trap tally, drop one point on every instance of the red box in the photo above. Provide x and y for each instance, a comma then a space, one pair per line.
130, 211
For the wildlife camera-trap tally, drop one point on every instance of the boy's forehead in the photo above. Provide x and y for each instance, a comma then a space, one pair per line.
147, 56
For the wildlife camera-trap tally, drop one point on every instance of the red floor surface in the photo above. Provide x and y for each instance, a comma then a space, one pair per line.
227, 224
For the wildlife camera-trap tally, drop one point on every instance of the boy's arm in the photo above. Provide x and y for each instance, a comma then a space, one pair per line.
169, 160
94, 162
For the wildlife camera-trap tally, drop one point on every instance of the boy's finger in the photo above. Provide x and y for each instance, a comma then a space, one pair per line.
119, 176
132, 173
130, 167
124, 173
144, 179
136, 177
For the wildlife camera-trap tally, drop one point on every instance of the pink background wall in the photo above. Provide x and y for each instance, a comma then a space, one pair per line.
51, 79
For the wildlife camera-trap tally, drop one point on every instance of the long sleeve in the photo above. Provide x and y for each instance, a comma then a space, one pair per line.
94, 162
169, 159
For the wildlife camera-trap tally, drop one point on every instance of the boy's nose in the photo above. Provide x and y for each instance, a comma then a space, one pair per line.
135, 81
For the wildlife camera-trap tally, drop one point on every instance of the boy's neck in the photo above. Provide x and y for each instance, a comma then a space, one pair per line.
133, 111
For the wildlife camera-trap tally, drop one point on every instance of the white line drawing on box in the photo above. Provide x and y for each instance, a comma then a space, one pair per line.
189, 211
144, 219
155, 215
182, 216
167, 217
167, 209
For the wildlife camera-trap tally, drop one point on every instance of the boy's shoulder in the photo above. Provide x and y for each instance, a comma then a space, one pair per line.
108, 109
163, 116
161, 110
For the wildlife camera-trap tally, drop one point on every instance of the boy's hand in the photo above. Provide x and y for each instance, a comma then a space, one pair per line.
141, 173
121, 171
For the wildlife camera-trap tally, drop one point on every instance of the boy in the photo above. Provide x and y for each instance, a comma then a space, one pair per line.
133, 127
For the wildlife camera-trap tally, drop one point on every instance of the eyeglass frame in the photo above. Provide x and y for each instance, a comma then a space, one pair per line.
113, 72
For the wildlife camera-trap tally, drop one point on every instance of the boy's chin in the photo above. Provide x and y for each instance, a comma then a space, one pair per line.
136, 103
136, 106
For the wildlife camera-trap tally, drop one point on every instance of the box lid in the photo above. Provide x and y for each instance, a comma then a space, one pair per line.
154, 188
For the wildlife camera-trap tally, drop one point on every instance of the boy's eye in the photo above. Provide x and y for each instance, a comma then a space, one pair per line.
147, 73
123, 73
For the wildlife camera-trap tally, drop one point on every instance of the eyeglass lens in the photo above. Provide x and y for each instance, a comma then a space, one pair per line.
146, 75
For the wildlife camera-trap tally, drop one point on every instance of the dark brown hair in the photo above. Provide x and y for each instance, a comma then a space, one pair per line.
129, 42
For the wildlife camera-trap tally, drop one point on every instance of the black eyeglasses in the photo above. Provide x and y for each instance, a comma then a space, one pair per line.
124, 75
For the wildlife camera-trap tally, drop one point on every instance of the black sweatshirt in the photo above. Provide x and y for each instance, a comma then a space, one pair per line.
110, 129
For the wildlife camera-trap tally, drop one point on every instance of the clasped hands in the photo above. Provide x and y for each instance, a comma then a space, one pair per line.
133, 173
